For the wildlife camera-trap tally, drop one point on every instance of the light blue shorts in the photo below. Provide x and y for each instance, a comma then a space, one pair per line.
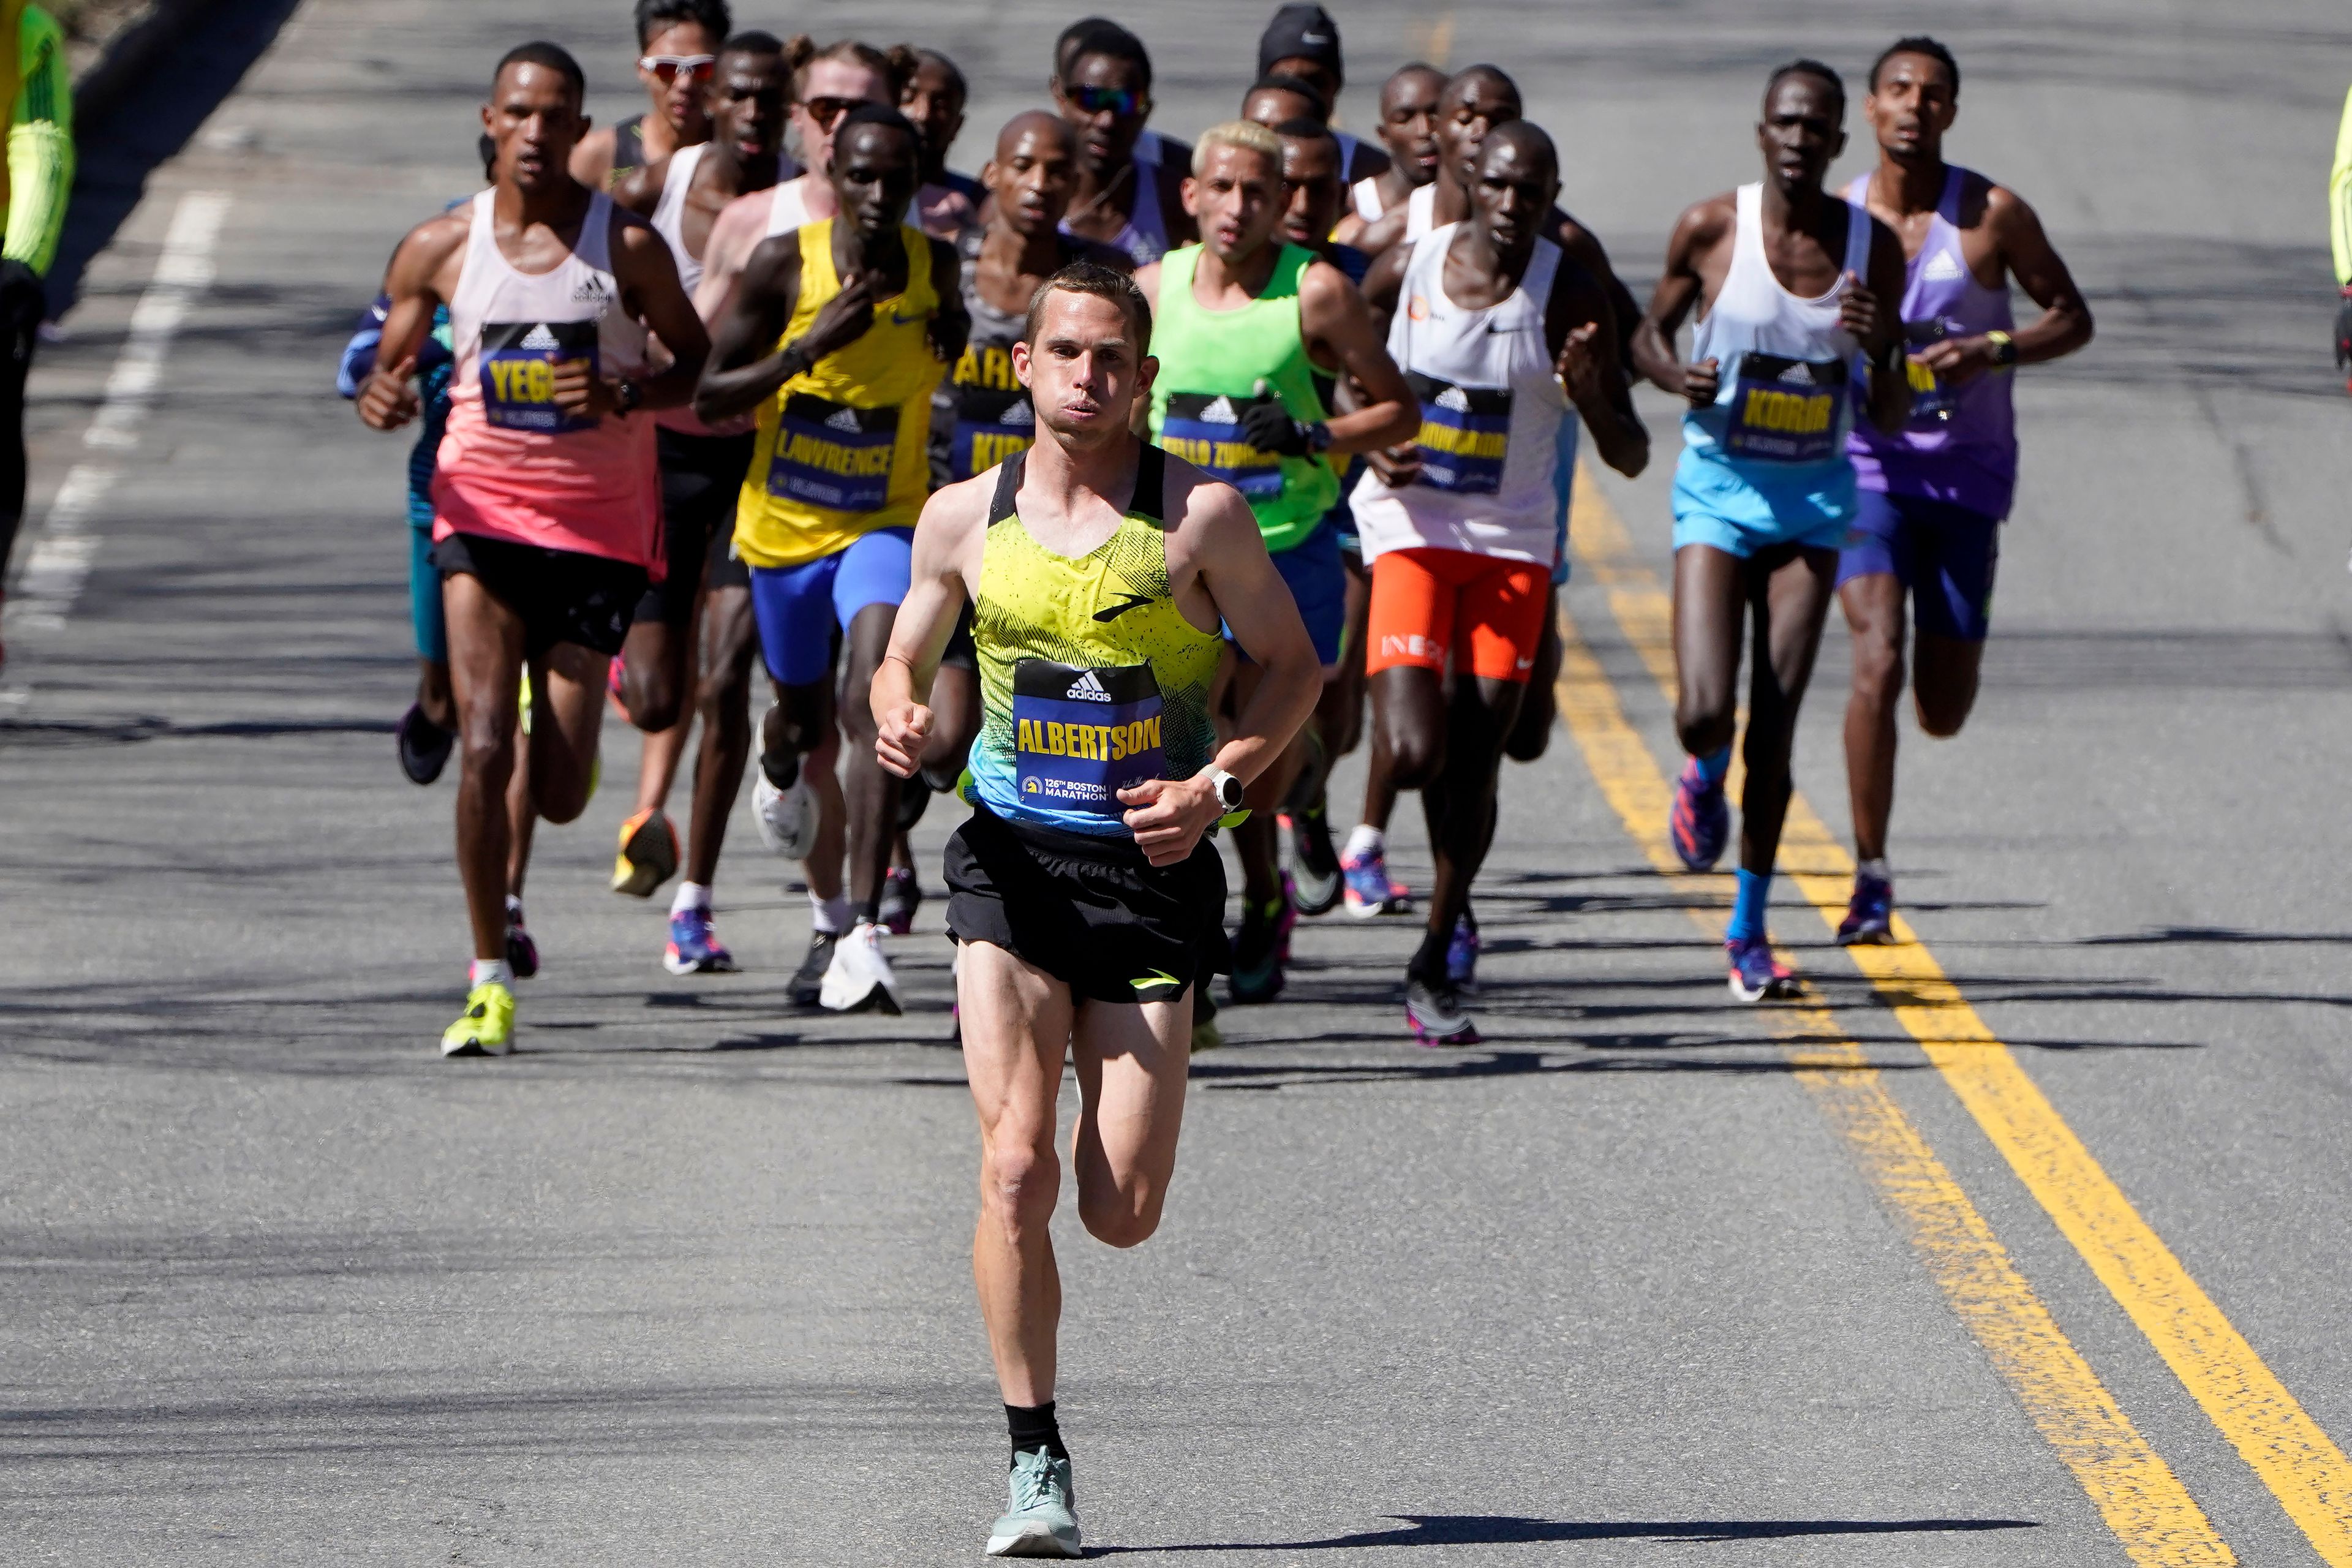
1743, 509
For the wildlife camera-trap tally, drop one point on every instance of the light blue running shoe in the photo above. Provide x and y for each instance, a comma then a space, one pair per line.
1042, 1520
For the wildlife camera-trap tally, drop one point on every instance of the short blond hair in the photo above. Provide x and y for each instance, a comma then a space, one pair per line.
1246, 134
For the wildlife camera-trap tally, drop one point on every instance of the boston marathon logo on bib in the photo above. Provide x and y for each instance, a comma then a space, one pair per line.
1081, 734
1465, 431
1785, 410
1931, 399
831, 455
993, 419
518, 372
1205, 430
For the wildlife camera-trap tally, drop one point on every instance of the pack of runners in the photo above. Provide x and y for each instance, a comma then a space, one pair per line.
1117, 492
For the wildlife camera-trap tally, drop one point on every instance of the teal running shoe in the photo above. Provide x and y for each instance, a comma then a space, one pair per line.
1042, 1520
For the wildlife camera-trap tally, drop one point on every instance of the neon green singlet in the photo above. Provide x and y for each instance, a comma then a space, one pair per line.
1091, 680
1212, 365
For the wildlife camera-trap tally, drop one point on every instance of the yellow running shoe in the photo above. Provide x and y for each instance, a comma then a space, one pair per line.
648, 855
486, 1028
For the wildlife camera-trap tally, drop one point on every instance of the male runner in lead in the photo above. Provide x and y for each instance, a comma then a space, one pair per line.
1790, 279
1489, 321
677, 50
702, 472
1083, 888
1245, 323
547, 498
837, 333
1934, 494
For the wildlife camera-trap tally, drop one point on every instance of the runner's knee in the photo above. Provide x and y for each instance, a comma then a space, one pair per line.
1019, 1183
1877, 670
1122, 1219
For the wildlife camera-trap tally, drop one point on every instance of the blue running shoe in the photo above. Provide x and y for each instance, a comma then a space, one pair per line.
1756, 974
694, 947
1367, 890
1700, 820
1043, 1520
1462, 957
1870, 917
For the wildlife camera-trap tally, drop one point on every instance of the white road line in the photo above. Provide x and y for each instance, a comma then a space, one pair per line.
58, 564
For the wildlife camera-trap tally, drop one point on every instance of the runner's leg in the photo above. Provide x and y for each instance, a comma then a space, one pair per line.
486, 661
1132, 1062
1709, 614
1874, 609
1789, 597
730, 640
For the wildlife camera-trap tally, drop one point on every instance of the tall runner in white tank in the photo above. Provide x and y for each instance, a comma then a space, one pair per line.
704, 603
1790, 280
1491, 326
548, 524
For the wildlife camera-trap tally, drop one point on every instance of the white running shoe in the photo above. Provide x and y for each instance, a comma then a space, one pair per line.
859, 976
787, 818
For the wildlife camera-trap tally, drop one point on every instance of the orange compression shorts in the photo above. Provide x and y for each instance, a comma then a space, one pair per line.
1488, 613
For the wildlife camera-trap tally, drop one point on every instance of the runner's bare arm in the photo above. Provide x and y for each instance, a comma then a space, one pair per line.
2026, 253
1870, 310
936, 596
640, 190
1581, 328
1699, 230
1218, 541
735, 233
1334, 318
1384, 285
747, 365
1585, 246
414, 284
1147, 278
1383, 234
951, 327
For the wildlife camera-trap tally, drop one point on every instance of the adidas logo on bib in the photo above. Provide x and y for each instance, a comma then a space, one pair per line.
1086, 689
1940, 267
538, 337
1019, 414
843, 420
1799, 373
1454, 400
1220, 412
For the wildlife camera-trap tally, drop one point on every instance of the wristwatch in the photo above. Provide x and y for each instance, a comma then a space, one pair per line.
1318, 437
2004, 348
627, 396
1228, 788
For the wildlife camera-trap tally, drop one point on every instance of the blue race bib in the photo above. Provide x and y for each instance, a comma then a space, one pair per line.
1785, 410
1082, 734
1465, 433
518, 372
1205, 430
832, 455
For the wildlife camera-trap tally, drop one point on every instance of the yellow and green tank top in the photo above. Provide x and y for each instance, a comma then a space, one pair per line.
1091, 680
1214, 366
842, 449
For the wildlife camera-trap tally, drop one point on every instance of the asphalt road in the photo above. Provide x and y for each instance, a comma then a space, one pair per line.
1645, 1280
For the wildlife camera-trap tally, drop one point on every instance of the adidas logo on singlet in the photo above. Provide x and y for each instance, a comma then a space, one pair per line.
1220, 412
592, 291
1454, 400
843, 420
1019, 414
1086, 689
538, 337
1941, 268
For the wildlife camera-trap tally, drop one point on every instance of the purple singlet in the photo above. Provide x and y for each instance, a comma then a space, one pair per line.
1960, 444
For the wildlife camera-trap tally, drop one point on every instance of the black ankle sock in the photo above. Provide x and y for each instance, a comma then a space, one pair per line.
1032, 1428
781, 770
1428, 965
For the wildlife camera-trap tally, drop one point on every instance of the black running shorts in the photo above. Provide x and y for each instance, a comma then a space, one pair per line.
563, 596
1090, 912
701, 476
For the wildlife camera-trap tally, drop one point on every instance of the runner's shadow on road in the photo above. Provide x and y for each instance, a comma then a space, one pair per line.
1514, 1530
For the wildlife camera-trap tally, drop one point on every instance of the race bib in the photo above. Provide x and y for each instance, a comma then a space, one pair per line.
518, 372
989, 426
1205, 430
1081, 734
1785, 410
1931, 400
1465, 432
831, 455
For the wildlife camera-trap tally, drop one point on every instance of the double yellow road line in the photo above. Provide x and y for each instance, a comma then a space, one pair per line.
2135, 1491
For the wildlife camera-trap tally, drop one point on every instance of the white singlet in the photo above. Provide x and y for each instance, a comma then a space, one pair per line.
514, 465
1420, 210
789, 209
1365, 193
669, 214
1785, 361
1491, 413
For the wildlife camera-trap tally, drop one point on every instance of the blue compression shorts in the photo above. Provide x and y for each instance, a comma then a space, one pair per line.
799, 606
1943, 553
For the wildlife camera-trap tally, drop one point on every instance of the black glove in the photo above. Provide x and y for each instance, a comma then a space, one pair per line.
2344, 330
22, 303
1269, 427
